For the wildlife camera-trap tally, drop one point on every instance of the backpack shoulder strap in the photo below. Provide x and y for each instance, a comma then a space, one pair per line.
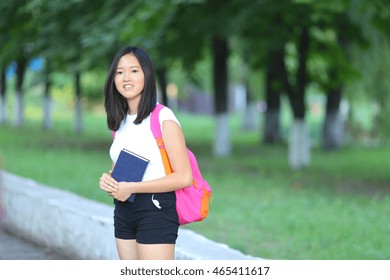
156, 130
155, 121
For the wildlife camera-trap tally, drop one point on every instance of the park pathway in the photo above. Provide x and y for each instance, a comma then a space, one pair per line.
15, 248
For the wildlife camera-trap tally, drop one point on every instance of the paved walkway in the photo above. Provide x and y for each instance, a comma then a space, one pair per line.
15, 248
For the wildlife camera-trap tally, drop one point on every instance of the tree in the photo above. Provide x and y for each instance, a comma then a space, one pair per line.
374, 17
263, 35
287, 38
21, 65
47, 106
76, 36
60, 21
337, 72
3, 103
17, 34
222, 145
4, 56
314, 42
277, 33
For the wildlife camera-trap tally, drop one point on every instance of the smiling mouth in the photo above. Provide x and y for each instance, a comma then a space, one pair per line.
128, 86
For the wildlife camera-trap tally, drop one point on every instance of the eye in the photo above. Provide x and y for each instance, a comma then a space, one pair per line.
119, 72
134, 71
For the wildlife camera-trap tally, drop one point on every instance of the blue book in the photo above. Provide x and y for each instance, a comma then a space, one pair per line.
129, 167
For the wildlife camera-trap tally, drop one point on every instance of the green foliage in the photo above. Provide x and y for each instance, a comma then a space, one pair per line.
62, 89
85, 34
92, 83
373, 65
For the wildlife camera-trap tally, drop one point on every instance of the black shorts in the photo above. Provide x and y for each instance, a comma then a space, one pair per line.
144, 221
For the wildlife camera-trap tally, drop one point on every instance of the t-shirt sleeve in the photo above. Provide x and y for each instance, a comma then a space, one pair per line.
166, 114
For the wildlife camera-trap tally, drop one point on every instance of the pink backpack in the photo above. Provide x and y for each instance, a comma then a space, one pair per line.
192, 202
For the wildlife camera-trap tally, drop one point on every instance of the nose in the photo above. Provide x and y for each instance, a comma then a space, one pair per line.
126, 76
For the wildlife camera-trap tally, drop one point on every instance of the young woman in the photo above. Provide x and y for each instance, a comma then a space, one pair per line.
146, 228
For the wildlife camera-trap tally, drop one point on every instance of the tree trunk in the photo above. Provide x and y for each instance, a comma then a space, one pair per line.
3, 99
162, 80
222, 141
79, 107
251, 115
333, 127
272, 126
47, 110
19, 104
222, 144
274, 87
299, 144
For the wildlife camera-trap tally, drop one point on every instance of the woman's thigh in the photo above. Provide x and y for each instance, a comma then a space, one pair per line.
127, 249
156, 251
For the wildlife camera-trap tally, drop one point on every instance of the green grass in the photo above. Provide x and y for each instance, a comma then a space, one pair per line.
338, 208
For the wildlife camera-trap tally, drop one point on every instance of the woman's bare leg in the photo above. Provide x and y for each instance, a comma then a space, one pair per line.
127, 249
156, 251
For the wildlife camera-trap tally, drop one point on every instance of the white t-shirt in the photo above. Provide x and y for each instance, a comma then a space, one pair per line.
139, 139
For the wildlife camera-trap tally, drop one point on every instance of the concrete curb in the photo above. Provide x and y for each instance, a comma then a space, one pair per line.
80, 228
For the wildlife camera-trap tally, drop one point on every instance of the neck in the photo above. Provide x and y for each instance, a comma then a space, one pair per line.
133, 107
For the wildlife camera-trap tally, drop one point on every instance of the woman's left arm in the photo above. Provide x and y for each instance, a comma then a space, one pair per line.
177, 152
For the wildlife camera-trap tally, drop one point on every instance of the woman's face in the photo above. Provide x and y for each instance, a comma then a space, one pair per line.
129, 78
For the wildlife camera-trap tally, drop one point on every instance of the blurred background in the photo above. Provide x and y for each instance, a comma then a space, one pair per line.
285, 103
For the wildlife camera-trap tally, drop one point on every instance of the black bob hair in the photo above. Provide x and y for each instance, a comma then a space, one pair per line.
115, 104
